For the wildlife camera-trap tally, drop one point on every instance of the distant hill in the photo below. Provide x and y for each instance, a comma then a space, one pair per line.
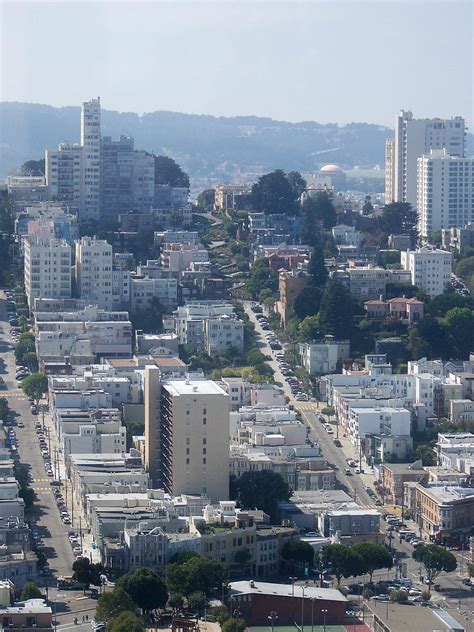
206, 146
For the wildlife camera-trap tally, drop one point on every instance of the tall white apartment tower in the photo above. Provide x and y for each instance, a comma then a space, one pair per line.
415, 137
91, 141
94, 259
445, 191
187, 435
47, 268
389, 166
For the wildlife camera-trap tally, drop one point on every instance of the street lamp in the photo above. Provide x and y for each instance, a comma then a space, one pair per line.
272, 617
236, 614
292, 580
303, 588
313, 599
324, 613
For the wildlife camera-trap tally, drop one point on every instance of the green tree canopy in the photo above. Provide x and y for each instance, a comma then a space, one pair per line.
317, 268
32, 168
167, 171
26, 345
197, 601
242, 557
441, 304
297, 182
112, 603
195, 574
459, 322
465, 268
374, 556
261, 277
30, 591
297, 553
233, 625
399, 218
146, 589
435, 559
87, 573
341, 560
206, 200
274, 193
35, 385
126, 622
262, 489
335, 314
309, 329
183, 556
308, 301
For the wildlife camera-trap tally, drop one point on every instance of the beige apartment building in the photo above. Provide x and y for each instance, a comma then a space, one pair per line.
444, 512
187, 435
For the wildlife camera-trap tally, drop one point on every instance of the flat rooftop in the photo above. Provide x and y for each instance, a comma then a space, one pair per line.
193, 387
405, 617
285, 590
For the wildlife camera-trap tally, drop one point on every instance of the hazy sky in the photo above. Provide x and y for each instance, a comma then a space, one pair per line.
334, 61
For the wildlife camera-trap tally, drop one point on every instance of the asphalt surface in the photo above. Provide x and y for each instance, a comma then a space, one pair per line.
354, 484
53, 532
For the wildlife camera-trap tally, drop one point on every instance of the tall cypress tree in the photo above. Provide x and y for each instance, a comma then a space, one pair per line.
335, 314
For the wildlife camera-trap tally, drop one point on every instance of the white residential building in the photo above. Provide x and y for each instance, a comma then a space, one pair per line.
179, 256
324, 357
90, 431
91, 141
413, 138
47, 268
222, 333
143, 290
430, 268
187, 435
445, 191
64, 174
384, 420
190, 322
94, 271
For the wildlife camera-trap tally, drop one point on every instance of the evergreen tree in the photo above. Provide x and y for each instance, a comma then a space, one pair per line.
317, 268
335, 314
274, 193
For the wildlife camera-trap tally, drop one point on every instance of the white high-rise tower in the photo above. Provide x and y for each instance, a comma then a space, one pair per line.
91, 141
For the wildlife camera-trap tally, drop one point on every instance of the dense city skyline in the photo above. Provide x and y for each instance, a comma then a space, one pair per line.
342, 62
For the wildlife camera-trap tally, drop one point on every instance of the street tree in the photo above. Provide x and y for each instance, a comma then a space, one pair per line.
197, 601
297, 182
112, 603
35, 386
435, 560
30, 591
297, 553
146, 589
317, 268
341, 561
195, 574
242, 557
309, 329
374, 556
126, 622
87, 573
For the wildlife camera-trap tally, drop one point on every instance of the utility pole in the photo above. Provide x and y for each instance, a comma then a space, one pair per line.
80, 530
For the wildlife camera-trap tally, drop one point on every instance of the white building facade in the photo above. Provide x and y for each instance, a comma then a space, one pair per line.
94, 271
47, 268
445, 191
430, 268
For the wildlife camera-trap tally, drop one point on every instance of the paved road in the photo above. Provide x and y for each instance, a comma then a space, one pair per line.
355, 485
54, 533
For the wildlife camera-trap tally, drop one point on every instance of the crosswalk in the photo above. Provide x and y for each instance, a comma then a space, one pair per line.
307, 407
41, 480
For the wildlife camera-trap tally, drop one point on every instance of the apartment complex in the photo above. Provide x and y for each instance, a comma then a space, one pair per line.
444, 511
47, 269
445, 191
127, 178
430, 268
94, 271
413, 138
187, 435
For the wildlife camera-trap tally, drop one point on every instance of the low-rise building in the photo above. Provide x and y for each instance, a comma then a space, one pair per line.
407, 310
392, 477
256, 599
324, 357
350, 524
444, 513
